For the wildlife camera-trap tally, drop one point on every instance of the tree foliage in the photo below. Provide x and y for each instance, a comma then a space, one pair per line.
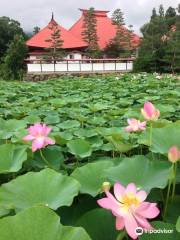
13, 62
55, 41
171, 57
120, 45
89, 33
8, 29
117, 17
160, 47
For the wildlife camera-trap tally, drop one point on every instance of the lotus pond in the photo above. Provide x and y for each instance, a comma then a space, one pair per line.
73, 168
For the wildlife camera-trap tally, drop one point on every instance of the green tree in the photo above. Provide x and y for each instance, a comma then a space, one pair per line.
8, 29
55, 41
170, 17
13, 63
154, 14
161, 11
152, 47
117, 17
120, 45
172, 47
89, 33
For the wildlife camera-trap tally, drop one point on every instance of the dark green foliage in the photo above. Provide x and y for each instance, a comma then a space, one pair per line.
8, 29
159, 50
170, 16
154, 14
114, 50
117, 17
171, 57
120, 45
161, 11
13, 65
89, 33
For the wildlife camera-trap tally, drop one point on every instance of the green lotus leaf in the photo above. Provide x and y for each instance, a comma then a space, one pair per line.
52, 154
58, 102
31, 119
168, 234
164, 138
69, 124
3, 211
91, 176
178, 224
86, 132
38, 223
173, 211
12, 157
105, 230
119, 145
9, 127
145, 173
46, 187
52, 119
80, 148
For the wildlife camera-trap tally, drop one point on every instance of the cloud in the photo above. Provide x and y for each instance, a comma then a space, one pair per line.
32, 13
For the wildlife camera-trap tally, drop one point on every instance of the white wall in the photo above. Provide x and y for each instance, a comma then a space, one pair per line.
77, 66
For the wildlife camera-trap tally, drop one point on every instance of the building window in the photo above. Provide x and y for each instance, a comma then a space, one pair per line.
71, 56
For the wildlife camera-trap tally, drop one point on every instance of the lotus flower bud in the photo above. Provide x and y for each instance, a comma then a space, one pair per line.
106, 186
174, 154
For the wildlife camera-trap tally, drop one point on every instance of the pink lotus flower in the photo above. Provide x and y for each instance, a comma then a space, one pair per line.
129, 208
149, 112
174, 154
38, 135
135, 125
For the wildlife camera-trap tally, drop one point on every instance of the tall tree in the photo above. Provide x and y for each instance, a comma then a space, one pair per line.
117, 17
8, 29
171, 57
13, 63
55, 41
161, 11
154, 14
150, 52
120, 45
89, 33
170, 16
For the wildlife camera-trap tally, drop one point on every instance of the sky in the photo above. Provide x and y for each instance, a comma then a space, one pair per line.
31, 13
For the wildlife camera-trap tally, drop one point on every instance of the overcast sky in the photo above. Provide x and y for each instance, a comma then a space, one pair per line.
32, 13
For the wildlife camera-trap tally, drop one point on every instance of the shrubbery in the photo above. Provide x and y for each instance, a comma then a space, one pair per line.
12, 49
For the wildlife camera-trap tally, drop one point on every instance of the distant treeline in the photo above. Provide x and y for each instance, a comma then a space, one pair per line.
160, 47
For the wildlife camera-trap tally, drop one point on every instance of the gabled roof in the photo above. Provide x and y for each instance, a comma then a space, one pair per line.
106, 30
70, 41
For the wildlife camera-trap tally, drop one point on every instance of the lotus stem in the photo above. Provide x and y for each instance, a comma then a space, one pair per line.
174, 180
44, 159
150, 137
167, 198
121, 236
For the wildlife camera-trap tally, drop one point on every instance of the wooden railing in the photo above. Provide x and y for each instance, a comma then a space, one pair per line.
79, 65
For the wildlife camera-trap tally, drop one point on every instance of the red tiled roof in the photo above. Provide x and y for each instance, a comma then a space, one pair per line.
70, 41
105, 29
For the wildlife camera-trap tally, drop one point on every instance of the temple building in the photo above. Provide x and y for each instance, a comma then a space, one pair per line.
73, 43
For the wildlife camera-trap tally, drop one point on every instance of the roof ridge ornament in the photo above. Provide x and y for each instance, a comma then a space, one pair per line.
52, 18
